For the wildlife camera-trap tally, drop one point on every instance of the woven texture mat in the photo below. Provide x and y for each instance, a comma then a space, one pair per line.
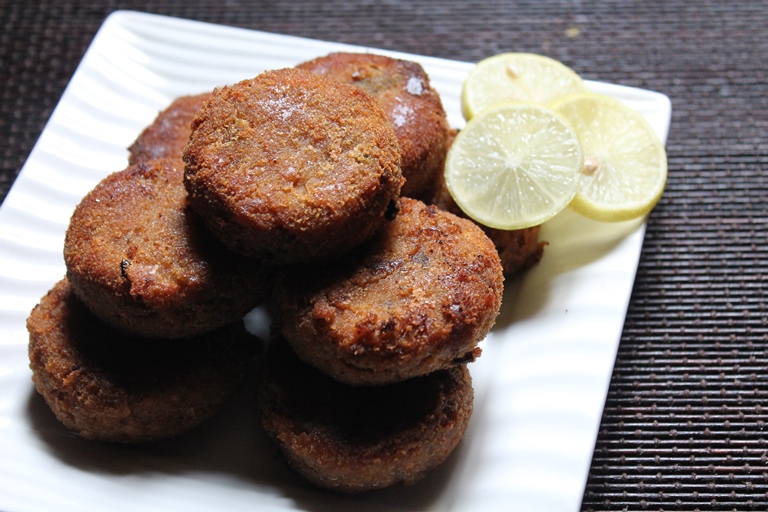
684, 422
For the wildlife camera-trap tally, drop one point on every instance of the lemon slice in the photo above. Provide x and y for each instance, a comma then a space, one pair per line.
516, 77
514, 166
625, 164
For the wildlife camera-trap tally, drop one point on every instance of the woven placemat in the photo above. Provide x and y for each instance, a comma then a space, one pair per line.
684, 422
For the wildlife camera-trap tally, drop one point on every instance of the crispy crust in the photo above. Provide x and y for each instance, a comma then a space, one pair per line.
292, 167
413, 107
418, 298
354, 439
169, 133
109, 386
143, 262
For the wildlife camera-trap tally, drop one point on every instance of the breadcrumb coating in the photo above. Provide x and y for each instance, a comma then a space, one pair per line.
109, 386
403, 90
418, 298
143, 262
355, 439
292, 167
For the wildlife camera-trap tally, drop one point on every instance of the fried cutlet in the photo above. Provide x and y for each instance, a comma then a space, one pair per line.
418, 298
354, 439
292, 167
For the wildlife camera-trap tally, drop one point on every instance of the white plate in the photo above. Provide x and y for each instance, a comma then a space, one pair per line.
540, 384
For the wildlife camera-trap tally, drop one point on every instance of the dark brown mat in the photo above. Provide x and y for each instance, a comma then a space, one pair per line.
684, 424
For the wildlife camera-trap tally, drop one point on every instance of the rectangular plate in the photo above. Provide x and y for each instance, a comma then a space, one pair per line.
540, 385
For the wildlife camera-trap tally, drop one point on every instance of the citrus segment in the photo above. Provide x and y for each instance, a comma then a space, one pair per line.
516, 77
625, 167
514, 166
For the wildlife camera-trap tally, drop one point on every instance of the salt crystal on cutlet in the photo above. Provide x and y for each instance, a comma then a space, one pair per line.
414, 86
283, 107
401, 114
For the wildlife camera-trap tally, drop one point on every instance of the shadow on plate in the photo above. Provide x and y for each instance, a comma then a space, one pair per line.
575, 242
232, 446
228, 442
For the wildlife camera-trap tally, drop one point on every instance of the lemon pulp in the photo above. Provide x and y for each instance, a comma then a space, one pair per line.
514, 165
516, 77
625, 164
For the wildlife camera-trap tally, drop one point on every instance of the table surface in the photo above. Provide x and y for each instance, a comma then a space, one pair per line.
684, 421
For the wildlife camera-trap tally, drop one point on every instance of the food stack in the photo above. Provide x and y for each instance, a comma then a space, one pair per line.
305, 190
